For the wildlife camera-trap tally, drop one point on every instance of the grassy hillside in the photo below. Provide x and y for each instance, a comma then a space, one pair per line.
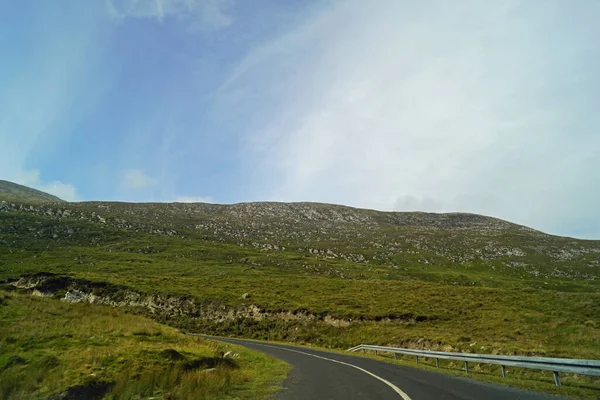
316, 273
10, 191
51, 348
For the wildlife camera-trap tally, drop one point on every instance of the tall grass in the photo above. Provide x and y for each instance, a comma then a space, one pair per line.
48, 347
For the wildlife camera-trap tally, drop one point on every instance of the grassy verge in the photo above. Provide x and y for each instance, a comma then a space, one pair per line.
48, 347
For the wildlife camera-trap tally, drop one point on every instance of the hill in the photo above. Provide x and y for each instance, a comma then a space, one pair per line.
10, 191
315, 273
337, 240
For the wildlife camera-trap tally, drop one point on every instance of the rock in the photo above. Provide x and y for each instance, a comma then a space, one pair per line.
37, 293
171, 354
231, 354
75, 296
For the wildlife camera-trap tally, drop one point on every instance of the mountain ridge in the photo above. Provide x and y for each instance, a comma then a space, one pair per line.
10, 191
317, 211
421, 241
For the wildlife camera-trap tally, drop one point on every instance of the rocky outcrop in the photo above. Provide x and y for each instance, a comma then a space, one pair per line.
320, 231
74, 213
165, 306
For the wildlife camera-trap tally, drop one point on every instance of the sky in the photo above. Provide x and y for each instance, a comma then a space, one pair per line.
462, 106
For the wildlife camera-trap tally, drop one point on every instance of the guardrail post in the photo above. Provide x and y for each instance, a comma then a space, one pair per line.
417, 357
503, 371
376, 352
437, 362
466, 367
395, 356
556, 378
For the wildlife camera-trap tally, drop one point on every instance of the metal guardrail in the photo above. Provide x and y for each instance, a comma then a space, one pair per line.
556, 365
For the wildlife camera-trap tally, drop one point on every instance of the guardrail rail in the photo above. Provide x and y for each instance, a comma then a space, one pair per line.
556, 365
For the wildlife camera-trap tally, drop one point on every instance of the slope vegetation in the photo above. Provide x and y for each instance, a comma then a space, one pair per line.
10, 191
316, 273
55, 350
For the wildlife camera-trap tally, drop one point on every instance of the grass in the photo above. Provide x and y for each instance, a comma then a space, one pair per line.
49, 347
401, 312
473, 305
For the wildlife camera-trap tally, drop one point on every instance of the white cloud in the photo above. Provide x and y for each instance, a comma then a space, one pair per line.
194, 199
200, 14
137, 179
61, 190
64, 191
431, 105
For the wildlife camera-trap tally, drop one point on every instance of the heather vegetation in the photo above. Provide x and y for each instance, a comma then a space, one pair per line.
317, 274
51, 349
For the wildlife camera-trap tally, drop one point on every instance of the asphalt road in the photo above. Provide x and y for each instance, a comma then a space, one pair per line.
322, 375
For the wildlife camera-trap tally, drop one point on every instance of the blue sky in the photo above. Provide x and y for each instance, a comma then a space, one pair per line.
486, 107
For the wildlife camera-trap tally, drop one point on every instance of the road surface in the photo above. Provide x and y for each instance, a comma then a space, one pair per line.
323, 375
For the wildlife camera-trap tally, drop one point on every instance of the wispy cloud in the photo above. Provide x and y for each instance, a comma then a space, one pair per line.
199, 14
430, 105
137, 179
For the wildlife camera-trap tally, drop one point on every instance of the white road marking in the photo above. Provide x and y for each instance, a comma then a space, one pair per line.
390, 384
